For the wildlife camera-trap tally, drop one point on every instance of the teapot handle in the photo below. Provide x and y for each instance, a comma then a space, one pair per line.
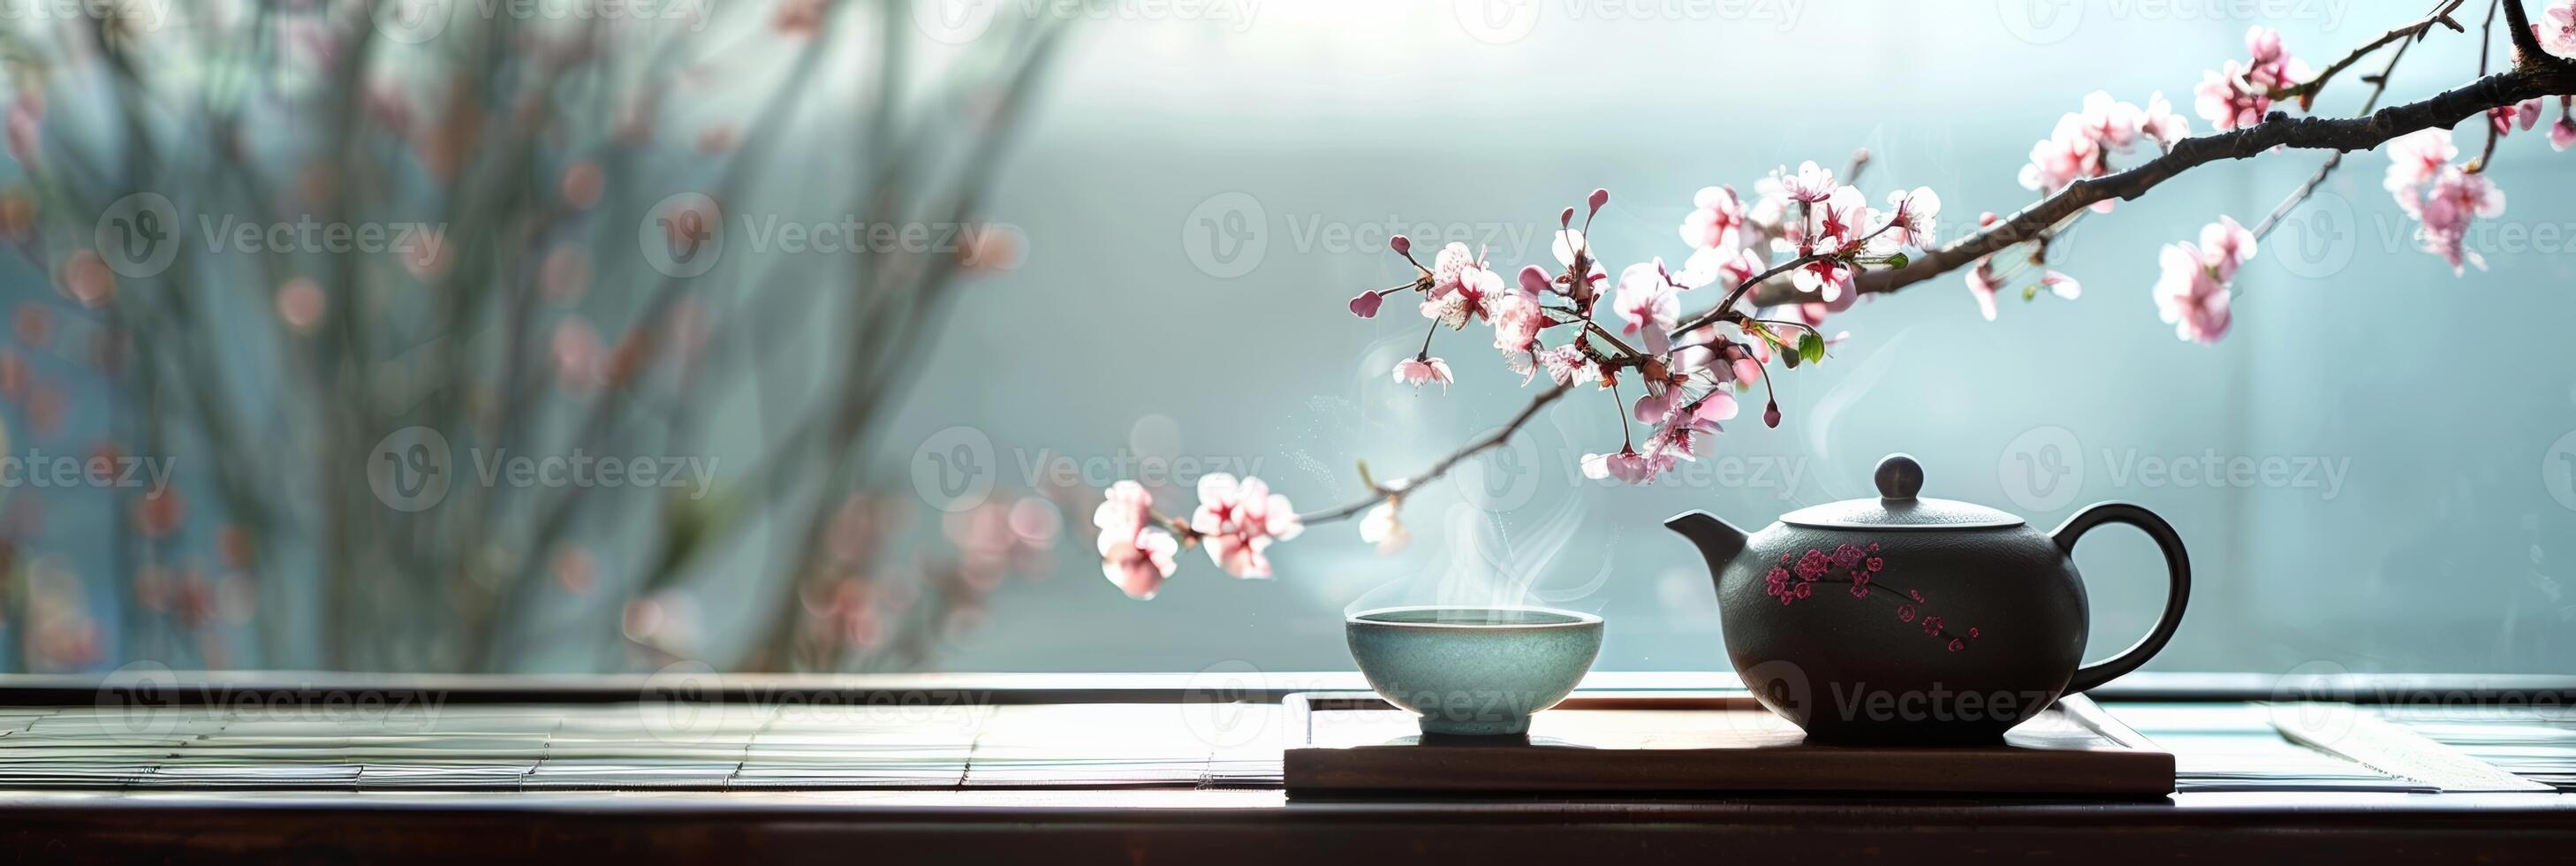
2177, 562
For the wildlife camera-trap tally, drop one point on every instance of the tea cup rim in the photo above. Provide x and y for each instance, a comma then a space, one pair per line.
1575, 618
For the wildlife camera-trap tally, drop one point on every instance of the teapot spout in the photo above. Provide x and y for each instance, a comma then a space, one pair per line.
1717, 539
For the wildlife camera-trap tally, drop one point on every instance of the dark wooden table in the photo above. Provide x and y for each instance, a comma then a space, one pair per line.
1083, 769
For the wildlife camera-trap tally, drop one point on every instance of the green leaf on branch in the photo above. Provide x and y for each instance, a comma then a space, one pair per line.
1811, 347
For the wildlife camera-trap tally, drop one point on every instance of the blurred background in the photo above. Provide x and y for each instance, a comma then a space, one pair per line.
880, 294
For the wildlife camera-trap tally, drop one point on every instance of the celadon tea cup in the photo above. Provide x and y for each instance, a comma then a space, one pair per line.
1473, 671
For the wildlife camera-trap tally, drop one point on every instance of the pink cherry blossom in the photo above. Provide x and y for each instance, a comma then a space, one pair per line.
25, 122
2190, 296
1567, 364
1384, 528
2557, 28
1914, 215
1450, 268
2414, 160
2081, 144
1421, 371
1983, 283
2562, 135
299, 304
2227, 244
1570, 247
1134, 555
1811, 184
2160, 122
1648, 302
1237, 520
1839, 219
580, 357
1461, 286
1724, 267
1628, 466
1825, 277
2064, 286
2060, 159
2240, 94
1517, 321
1716, 221
1651, 408
2445, 197
85, 277
2455, 198
1678, 437
2504, 118
1124, 508
2109, 121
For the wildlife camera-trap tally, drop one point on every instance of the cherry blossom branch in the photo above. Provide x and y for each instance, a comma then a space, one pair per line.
1721, 312
2530, 80
1845, 249
1380, 492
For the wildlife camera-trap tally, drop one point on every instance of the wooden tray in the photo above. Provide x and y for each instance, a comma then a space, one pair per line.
1352, 743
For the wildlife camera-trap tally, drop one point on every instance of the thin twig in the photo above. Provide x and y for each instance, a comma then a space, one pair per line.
1493, 440
2306, 91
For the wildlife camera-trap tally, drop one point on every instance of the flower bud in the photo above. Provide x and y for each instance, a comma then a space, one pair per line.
1771, 414
1566, 219
1403, 246
1365, 306
1533, 280
1599, 197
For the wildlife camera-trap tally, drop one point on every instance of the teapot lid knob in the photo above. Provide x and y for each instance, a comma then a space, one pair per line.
1899, 477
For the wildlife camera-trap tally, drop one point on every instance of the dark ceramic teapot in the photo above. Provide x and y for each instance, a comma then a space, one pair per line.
1905, 619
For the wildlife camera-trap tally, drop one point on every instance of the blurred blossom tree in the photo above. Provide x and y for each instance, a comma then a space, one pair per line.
321, 269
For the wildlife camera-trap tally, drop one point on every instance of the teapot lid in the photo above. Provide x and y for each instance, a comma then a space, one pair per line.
1897, 506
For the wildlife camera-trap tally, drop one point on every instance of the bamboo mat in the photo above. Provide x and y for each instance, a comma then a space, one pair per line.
684, 747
